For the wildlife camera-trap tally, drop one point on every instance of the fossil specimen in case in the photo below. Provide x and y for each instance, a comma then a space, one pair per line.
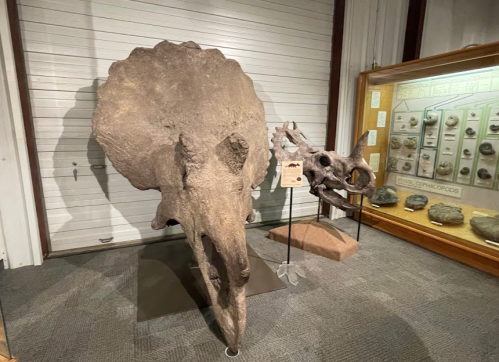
494, 127
465, 171
470, 131
413, 121
488, 227
484, 174
411, 143
392, 164
467, 152
407, 166
395, 143
446, 214
431, 119
385, 195
486, 149
444, 168
452, 121
416, 202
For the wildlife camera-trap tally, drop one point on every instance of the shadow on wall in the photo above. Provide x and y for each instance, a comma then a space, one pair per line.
270, 197
97, 205
274, 198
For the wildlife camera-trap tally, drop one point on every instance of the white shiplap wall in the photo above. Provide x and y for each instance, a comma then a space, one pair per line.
283, 45
453, 24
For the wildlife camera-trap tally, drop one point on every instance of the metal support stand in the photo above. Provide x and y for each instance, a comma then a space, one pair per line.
360, 216
288, 268
318, 209
290, 218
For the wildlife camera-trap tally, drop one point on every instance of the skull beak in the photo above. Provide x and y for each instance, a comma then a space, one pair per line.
335, 199
225, 276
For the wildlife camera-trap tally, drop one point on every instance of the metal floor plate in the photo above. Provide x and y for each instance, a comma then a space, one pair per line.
170, 282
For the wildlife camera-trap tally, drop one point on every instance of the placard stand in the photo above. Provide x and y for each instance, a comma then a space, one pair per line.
288, 268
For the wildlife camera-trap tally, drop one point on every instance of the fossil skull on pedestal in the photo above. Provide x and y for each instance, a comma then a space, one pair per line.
327, 171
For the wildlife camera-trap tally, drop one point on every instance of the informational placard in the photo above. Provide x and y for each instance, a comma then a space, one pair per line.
427, 185
381, 119
371, 139
292, 174
374, 161
375, 99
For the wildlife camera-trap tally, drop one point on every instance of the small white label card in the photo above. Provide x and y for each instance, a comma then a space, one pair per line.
381, 119
292, 174
371, 139
374, 161
375, 99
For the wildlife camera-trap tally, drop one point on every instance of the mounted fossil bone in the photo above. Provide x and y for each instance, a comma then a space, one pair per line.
187, 122
327, 171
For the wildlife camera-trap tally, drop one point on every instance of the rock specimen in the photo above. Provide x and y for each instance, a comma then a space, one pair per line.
431, 119
465, 171
484, 174
327, 171
444, 168
446, 214
385, 195
413, 121
494, 127
470, 131
392, 164
467, 152
395, 143
187, 122
488, 227
426, 156
486, 149
411, 143
407, 166
452, 121
416, 202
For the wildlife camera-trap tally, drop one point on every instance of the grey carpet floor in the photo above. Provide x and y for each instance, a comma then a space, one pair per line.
392, 301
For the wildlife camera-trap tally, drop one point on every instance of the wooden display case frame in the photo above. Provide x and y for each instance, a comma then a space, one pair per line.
458, 248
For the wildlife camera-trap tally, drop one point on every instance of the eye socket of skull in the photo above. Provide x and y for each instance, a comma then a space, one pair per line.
358, 178
324, 161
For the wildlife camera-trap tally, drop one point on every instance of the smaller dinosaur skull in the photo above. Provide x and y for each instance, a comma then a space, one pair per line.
327, 171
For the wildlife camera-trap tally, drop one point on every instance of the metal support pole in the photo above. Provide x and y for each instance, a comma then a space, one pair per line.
318, 209
290, 216
360, 216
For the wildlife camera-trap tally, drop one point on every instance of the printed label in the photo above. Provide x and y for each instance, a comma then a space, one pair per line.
375, 99
371, 139
381, 119
425, 185
374, 161
292, 174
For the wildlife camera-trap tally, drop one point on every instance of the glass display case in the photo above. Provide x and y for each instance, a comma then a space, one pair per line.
434, 146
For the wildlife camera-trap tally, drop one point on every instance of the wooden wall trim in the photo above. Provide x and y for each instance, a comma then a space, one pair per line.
414, 30
22, 80
334, 81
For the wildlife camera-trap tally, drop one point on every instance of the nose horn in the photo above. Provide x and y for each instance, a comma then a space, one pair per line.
359, 147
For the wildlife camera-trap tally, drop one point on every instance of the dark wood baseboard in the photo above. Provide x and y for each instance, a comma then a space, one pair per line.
453, 250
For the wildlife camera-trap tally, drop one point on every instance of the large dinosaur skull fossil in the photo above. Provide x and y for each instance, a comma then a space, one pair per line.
188, 123
327, 171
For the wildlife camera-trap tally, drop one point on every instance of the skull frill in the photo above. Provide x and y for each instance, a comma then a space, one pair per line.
327, 171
